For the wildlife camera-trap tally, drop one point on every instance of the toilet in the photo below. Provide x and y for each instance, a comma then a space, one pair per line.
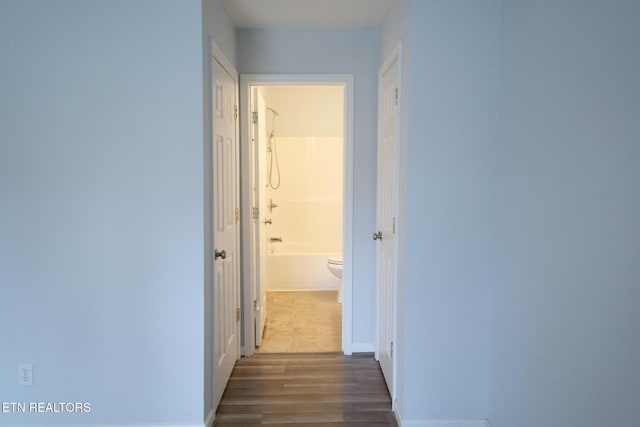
334, 264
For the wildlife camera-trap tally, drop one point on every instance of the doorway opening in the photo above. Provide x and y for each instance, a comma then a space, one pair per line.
297, 238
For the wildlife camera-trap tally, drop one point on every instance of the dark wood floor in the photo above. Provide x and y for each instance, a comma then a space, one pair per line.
298, 389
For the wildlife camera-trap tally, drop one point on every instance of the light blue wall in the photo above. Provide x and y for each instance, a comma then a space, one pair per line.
450, 89
335, 51
566, 335
101, 211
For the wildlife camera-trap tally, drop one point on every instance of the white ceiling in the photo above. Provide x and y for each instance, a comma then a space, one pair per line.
307, 13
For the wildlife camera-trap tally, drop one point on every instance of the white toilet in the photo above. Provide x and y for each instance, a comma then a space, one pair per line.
334, 264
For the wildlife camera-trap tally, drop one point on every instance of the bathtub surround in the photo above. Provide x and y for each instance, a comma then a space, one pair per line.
299, 271
309, 212
305, 209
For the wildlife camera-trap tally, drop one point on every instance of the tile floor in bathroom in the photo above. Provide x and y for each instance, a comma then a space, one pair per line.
302, 322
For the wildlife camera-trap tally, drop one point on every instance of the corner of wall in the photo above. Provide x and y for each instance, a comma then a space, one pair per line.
218, 25
397, 412
210, 418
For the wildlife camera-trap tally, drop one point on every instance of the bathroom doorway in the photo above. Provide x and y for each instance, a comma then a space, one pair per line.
297, 180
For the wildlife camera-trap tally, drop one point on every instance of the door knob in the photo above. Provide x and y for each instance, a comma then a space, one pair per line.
222, 254
377, 236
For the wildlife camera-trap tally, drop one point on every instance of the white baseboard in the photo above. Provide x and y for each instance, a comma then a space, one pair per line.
443, 423
435, 423
211, 417
397, 412
362, 347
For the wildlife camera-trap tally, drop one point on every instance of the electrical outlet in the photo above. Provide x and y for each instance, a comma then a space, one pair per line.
25, 374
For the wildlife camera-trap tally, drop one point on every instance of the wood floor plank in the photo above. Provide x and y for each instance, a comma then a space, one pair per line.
256, 391
312, 389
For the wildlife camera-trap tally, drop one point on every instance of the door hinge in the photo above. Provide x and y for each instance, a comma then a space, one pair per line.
255, 305
256, 213
393, 226
237, 215
254, 117
396, 96
391, 350
237, 314
235, 112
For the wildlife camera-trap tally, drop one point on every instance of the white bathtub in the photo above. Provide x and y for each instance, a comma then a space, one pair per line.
290, 267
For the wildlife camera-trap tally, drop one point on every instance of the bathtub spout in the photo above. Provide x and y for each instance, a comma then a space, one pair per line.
276, 239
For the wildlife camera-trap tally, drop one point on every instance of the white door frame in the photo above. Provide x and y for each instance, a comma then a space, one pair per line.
393, 58
247, 81
258, 231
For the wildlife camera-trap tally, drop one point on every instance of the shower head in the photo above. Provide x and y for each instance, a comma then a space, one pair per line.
275, 113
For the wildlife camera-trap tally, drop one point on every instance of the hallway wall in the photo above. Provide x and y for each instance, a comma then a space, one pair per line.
449, 101
336, 51
521, 228
452, 128
101, 213
566, 337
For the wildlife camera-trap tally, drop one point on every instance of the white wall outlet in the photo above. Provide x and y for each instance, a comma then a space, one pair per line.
25, 374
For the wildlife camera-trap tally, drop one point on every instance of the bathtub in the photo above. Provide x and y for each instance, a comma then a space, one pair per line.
299, 267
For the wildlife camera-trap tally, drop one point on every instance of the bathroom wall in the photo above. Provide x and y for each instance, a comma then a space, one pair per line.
306, 110
309, 143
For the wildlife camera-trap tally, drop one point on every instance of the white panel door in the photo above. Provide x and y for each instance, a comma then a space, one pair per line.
386, 218
258, 181
225, 229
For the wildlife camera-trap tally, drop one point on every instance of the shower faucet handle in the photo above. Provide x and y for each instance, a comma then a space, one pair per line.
272, 205
377, 235
268, 221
